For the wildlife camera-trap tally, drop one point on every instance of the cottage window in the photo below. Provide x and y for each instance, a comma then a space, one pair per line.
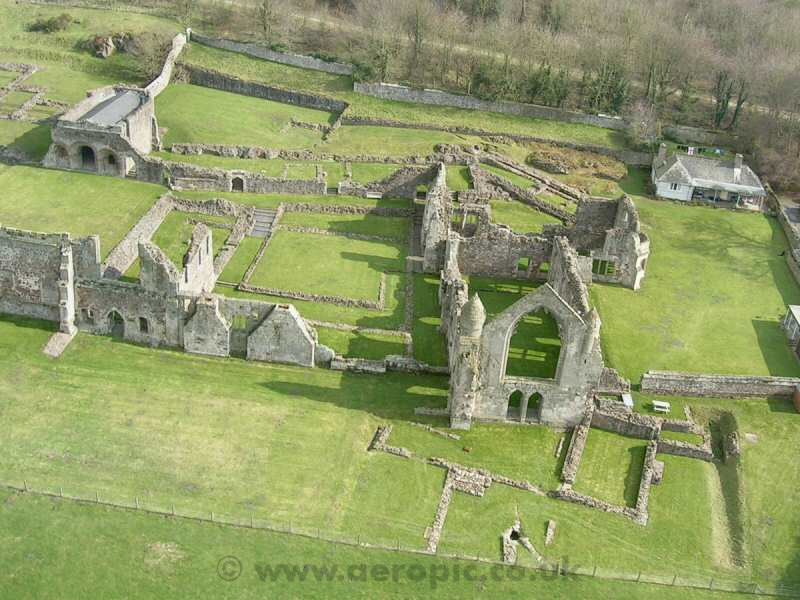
673, 186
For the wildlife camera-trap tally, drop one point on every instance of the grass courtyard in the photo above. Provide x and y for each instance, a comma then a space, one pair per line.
716, 287
193, 114
81, 204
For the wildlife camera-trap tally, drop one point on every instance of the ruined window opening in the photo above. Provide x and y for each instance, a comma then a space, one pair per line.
144, 326
87, 315
534, 347
523, 264
116, 324
186, 274
603, 267
544, 267
112, 160
237, 185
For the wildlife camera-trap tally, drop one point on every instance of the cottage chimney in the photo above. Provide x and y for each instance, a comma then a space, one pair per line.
737, 168
662, 154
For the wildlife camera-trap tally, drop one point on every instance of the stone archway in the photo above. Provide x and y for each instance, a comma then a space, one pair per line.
61, 156
88, 158
116, 324
237, 184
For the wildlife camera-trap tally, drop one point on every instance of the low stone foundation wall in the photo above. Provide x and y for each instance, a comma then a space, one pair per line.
226, 83
673, 383
346, 209
679, 448
628, 424
284, 58
575, 452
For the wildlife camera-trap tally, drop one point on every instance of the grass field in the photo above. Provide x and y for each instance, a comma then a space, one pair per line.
168, 558
81, 204
520, 217
611, 467
194, 114
429, 344
304, 262
376, 108
351, 344
716, 288
389, 227
274, 200
389, 141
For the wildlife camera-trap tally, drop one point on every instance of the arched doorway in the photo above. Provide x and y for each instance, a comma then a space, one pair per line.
534, 411
237, 184
116, 324
88, 159
534, 347
61, 156
515, 405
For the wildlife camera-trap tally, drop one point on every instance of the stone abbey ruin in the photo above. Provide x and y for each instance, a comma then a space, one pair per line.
453, 237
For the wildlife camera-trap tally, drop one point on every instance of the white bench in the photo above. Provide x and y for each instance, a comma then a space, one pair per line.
662, 407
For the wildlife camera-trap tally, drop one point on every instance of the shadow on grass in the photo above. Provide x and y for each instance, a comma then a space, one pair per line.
634, 476
389, 396
777, 354
34, 142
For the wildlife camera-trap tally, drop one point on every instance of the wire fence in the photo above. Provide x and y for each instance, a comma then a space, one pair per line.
683, 580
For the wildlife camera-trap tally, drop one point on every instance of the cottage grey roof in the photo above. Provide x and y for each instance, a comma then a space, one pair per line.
115, 109
713, 173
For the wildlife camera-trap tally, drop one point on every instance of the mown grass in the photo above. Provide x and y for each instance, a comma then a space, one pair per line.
304, 262
611, 467
520, 217
389, 141
81, 204
352, 344
170, 558
429, 343
13, 100
31, 138
716, 288
376, 108
194, 114
388, 227
458, 178
237, 266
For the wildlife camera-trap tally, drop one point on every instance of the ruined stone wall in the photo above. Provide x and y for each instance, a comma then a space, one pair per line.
160, 83
402, 93
97, 300
207, 331
567, 277
198, 274
285, 58
673, 383
184, 176
435, 222
402, 183
37, 273
226, 83
628, 424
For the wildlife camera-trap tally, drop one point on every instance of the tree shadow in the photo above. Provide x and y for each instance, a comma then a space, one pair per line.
774, 348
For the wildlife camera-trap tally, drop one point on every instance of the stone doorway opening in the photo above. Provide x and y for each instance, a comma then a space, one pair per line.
88, 159
116, 324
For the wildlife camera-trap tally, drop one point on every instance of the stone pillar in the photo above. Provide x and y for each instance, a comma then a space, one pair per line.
66, 288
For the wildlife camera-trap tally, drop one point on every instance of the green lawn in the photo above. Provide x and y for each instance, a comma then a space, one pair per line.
78, 203
458, 178
13, 100
174, 236
377, 108
241, 260
32, 138
389, 141
611, 467
520, 217
429, 343
388, 227
517, 180
57, 550
716, 288
351, 344
194, 114
301, 262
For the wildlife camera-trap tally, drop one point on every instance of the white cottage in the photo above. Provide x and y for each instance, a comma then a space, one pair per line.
791, 324
696, 178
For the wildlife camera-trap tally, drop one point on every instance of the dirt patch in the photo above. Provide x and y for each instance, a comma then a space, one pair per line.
577, 162
163, 556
